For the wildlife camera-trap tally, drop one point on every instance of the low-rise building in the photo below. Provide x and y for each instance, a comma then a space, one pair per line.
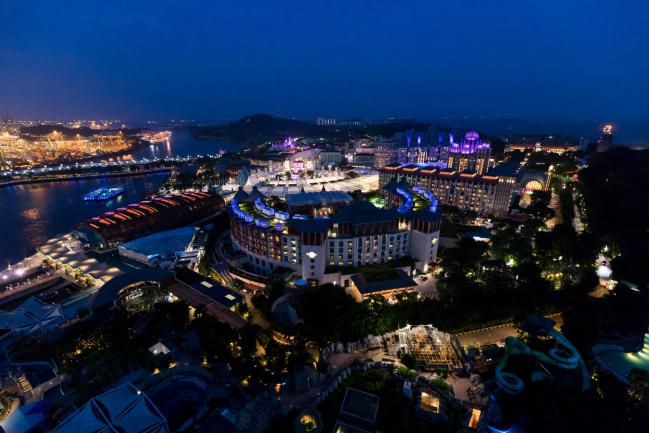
166, 249
330, 159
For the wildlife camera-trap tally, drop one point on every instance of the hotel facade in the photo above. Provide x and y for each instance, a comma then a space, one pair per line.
485, 194
340, 233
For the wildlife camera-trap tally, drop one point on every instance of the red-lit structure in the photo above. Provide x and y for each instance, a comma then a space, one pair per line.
148, 216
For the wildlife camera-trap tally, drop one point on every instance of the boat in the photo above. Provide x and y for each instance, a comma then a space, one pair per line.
156, 136
104, 193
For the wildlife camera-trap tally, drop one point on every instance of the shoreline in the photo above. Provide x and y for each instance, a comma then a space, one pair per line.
86, 176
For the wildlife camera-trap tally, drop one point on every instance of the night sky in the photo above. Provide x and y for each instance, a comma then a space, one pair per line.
209, 60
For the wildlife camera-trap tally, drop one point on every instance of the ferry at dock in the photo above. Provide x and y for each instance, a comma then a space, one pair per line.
102, 194
156, 136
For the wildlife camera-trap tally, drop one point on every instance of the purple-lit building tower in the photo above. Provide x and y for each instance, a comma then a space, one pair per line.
472, 154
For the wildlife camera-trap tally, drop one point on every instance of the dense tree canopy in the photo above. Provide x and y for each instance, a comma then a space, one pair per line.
616, 191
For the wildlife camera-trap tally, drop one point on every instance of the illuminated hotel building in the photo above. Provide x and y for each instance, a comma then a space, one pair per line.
386, 153
317, 232
472, 154
434, 145
489, 194
325, 121
543, 143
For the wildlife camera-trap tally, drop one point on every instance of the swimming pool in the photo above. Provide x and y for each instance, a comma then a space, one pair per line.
621, 363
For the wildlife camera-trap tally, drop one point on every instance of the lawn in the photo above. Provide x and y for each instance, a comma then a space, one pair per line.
396, 413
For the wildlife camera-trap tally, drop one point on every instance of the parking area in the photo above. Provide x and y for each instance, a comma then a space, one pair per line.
426, 286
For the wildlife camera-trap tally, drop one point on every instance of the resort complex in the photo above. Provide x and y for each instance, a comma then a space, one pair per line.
320, 284
433, 219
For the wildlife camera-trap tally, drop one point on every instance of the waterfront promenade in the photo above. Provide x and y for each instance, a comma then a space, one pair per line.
63, 258
71, 177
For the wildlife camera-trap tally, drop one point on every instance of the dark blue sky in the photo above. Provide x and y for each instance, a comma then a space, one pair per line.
207, 60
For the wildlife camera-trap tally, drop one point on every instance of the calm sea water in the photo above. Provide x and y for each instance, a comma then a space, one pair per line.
31, 214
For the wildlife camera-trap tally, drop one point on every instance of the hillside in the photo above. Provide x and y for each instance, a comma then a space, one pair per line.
263, 127
259, 127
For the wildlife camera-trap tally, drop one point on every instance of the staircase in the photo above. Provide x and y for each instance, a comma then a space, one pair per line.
23, 384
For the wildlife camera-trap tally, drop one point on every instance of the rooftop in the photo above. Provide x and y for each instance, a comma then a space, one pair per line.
159, 213
106, 295
168, 241
122, 409
253, 208
210, 288
509, 169
360, 211
360, 405
432, 170
401, 282
31, 316
317, 198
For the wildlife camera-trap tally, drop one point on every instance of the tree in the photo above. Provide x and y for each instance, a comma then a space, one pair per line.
615, 185
507, 244
330, 314
465, 258
581, 323
639, 387
217, 339
409, 361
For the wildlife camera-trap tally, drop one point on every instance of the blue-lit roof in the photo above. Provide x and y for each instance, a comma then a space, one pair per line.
509, 168
166, 242
317, 198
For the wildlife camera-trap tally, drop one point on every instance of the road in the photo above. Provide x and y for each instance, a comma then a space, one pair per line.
577, 223
218, 264
495, 334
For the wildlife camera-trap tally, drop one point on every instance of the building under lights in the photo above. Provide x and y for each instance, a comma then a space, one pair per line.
472, 154
314, 233
558, 144
325, 121
489, 194
148, 216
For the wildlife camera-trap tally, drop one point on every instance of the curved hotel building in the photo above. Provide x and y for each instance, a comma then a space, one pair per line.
488, 194
316, 233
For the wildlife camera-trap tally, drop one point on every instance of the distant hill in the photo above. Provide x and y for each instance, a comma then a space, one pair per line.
263, 127
259, 127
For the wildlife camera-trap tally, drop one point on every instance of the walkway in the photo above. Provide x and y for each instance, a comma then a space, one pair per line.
577, 221
338, 362
196, 298
496, 334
